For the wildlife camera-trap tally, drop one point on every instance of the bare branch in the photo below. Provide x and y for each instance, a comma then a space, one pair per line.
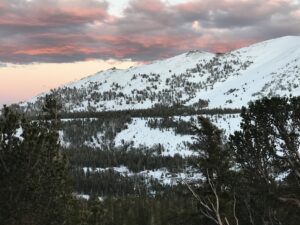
293, 200
234, 209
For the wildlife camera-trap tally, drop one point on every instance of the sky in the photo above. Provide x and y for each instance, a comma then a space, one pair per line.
47, 43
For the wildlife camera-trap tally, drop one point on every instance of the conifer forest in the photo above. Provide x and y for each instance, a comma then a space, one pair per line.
249, 177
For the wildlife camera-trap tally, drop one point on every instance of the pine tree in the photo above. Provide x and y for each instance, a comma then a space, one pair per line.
267, 156
217, 202
214, 158
35, 185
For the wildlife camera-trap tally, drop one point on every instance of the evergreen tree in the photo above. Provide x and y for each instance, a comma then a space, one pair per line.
35, 186
214, 158
217, 201
266, 151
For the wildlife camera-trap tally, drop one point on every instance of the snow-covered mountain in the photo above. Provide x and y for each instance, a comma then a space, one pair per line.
231, 80
196, 79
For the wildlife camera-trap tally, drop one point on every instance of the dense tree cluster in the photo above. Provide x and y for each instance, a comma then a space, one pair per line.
34, 176
135, 160
180, 126
267, 153
252, 178
100, 131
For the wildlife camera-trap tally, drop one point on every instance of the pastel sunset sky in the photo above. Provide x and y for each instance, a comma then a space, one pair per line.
46, 43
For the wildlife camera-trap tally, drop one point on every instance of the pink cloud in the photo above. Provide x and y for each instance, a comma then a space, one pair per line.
75, 30
48, 12
296, 14
62, 50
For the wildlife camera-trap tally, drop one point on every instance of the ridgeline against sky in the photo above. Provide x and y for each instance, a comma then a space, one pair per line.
69, 31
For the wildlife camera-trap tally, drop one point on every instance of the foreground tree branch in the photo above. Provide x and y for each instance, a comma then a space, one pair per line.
210, 205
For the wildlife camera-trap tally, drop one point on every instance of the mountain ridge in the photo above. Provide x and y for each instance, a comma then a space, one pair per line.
231, 80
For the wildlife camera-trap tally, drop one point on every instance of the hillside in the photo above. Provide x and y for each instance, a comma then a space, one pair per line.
195, 80
151, 152
231, 80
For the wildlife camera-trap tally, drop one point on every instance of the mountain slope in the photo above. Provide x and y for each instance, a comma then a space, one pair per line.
275, 71
229, 80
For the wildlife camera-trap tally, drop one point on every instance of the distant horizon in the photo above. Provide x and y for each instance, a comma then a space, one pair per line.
45, 44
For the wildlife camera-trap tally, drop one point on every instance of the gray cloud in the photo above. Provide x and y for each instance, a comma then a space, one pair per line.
66, 31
